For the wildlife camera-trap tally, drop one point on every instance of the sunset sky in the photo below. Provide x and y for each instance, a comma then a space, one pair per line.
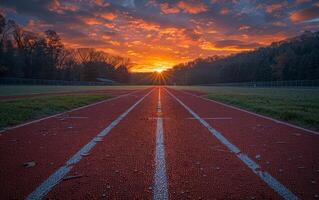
158, 34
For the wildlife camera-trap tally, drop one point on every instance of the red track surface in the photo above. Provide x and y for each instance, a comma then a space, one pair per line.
198, 165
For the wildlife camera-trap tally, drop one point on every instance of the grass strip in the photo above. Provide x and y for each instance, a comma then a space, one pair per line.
302, 112
18, 111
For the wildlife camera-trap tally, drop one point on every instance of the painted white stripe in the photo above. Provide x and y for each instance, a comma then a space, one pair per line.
252, 113
160, 181
63, 113
155, 118
58, 175
265, 176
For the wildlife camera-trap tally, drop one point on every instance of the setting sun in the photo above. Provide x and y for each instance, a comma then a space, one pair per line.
159, 71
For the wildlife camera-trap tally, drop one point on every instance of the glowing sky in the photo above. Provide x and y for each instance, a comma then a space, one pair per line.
157, 34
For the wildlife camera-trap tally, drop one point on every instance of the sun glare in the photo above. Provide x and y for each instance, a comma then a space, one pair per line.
159, 71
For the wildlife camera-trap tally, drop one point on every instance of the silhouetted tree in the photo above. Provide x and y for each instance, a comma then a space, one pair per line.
292, 59
32, 55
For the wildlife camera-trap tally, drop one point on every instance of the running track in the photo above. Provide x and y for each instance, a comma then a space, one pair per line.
159, 143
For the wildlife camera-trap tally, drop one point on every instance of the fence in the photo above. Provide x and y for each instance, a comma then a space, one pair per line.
294, 84
22, 81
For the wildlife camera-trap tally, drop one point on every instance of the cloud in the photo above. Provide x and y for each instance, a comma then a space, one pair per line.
305, 14
224, 11
208, 46
166, 9
279, 23
108, 15
276, 6
56, 6
101, 3
192, 7
244, 27
91, 21
236, 44
189, 7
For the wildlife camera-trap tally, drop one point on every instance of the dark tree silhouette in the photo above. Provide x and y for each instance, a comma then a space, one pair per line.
292, 59
43, 56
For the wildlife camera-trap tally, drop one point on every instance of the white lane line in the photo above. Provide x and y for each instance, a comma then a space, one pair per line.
155, 118
58, 175
252, 113
160, 191
265, 176
63, 113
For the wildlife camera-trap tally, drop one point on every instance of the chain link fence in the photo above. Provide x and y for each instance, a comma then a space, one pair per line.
23, 81
293, 84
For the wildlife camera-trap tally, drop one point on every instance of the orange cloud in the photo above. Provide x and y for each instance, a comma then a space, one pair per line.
91, 21
305, 15
115, 43
168, 10
275, 7
192, 7
142, 24
230, 48
101, 3
108, 16
224, 11
244, 27
57, 7
281, 24
109, 25
268, 39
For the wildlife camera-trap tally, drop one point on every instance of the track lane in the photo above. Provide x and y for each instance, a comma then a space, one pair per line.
199, 166
50, 142
122, 165
287, 153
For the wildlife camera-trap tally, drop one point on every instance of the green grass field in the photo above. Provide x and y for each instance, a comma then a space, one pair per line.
13, 112
297, 106
18, 111
16, 90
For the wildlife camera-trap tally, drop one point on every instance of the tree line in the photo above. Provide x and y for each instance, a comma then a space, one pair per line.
292, 59
25, 54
